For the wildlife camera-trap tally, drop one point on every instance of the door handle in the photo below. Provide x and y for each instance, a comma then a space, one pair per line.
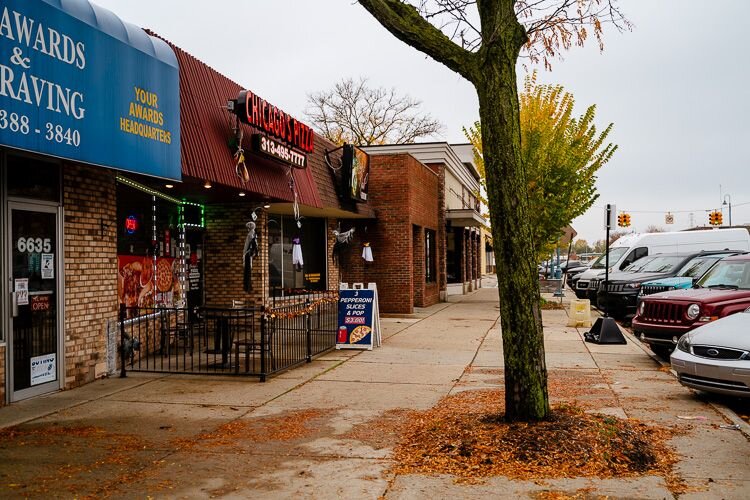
14, 300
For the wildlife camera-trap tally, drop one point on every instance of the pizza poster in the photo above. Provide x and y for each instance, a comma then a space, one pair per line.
142, 284
356, 308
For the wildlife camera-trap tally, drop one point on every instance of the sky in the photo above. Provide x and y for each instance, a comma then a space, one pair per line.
675, 87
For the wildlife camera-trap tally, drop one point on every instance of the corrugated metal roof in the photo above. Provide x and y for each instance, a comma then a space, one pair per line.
206, 129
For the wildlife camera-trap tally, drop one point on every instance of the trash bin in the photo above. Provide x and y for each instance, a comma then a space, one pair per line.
579, 313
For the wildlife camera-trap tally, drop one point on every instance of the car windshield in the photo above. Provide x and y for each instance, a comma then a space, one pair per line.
639, 264
662, 264
614, 255
697, 267
729, 274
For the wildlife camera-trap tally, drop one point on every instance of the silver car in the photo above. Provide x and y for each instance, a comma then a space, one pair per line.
716, 357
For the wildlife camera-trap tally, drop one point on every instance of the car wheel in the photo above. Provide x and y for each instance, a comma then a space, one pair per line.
661, 351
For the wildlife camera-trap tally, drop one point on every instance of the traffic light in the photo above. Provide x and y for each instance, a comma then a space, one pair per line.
621, 220
715, 218
626, 218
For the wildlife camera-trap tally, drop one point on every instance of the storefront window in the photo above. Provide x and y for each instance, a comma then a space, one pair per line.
32, 178
285, 275
151, 246
429, 256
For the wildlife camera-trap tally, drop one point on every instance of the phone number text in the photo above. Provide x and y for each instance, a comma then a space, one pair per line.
19, 124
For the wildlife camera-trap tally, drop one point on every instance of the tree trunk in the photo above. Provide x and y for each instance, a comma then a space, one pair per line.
518, 284
492, 70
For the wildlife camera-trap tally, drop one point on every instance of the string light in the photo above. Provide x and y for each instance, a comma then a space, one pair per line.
146, 189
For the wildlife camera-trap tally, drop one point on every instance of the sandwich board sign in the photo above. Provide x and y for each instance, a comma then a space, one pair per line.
359, 317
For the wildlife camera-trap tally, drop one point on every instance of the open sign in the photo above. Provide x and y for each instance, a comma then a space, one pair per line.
40, 303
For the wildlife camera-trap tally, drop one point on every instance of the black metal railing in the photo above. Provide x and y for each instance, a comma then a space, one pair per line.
234, 341
179, 340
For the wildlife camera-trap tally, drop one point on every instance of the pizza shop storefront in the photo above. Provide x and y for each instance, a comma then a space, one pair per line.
66, 139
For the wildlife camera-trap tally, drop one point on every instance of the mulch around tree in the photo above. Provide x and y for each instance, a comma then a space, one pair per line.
550, 305
465, 435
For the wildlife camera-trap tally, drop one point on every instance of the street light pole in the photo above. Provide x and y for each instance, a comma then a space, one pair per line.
730, 207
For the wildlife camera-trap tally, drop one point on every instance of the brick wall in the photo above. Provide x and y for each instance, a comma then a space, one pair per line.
353, 268
418, 264
391, 235
90, 269
426, 211
404, 193
224, 242
332, 265
442, 249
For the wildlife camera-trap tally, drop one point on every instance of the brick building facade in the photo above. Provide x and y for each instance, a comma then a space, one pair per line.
90, 269
405, 195
106, 221
459, 222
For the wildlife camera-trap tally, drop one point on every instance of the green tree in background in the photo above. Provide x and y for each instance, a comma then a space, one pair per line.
581, 246
561, 153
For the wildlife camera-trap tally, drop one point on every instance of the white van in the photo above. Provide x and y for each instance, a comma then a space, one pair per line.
632, 247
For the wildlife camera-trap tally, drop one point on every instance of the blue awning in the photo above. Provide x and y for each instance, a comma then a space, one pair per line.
89, 87
108, 22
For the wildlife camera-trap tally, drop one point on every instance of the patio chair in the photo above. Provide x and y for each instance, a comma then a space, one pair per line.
175, 328
249, 345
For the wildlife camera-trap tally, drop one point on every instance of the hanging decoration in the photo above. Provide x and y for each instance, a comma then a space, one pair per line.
239, 156
297, 254
367, 252
342, 239
295, 198
249, 252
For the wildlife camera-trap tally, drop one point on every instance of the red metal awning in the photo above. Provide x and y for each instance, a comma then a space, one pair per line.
206, 131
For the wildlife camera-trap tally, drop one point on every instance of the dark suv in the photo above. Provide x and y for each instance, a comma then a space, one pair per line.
662, 318
620, 294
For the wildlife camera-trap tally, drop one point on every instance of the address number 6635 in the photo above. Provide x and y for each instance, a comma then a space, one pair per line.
31, 245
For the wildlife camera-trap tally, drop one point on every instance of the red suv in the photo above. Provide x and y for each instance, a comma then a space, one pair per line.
662, 318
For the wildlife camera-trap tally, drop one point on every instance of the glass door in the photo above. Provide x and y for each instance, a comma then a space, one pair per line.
34, 341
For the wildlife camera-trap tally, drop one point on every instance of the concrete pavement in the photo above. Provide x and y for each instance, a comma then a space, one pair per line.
311, 432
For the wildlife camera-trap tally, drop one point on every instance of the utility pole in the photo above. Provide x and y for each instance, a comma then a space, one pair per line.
730, 207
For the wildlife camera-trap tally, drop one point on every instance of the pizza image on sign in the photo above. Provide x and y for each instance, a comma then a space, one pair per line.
359, 333
163, 275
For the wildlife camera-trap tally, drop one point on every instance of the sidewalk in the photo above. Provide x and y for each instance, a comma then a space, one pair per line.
315, 432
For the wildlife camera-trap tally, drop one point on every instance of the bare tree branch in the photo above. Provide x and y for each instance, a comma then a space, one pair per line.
406, 23
355, 113
552, 26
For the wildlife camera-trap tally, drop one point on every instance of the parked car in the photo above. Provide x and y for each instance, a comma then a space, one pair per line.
632, 247
567, 265
662, 318
573, 274
686, 278
619, 296
716, 357
594, 284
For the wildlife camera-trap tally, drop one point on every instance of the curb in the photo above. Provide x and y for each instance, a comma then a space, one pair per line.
724, 411
730, 415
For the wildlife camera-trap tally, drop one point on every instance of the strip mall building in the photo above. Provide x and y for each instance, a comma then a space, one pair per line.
140, 191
